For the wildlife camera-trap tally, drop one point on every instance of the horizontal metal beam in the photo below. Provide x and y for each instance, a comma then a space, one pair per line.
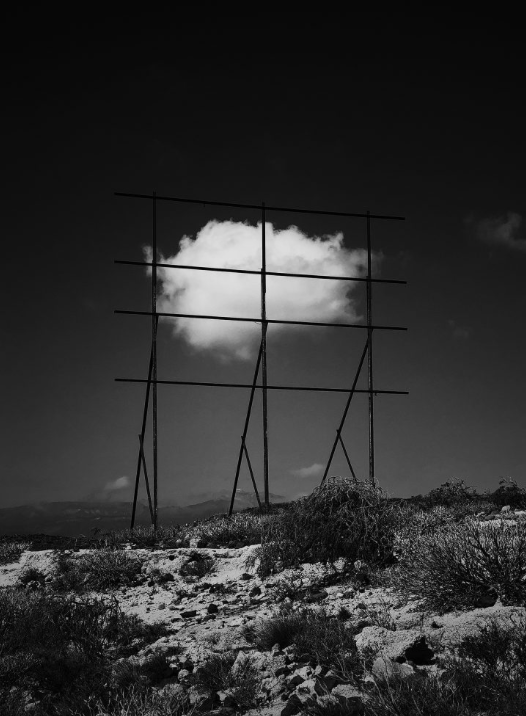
269, 387
205, 202
258, 273
258, 320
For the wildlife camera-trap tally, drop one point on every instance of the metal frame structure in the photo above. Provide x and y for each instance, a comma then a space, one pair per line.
152, 380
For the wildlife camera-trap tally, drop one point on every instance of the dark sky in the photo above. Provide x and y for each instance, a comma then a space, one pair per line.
419, 116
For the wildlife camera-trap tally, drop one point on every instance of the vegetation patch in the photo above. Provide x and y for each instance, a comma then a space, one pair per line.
57, 649
99, 570
456, 566
343, 518
11, 551
325, 639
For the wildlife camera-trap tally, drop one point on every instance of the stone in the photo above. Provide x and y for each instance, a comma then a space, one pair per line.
385, 669
293, 706
295, 679
226, 699
189, 613
349, 697
212, 608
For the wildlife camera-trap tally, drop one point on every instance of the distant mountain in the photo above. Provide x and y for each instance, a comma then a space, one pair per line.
71, 519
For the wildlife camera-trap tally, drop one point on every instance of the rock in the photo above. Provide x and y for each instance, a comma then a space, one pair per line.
316, 597
293, 706
295, 679
201, 700
398, 646
226, 699
349, 697
305, 672
488, 599
282, 670
385, 669
328, 681
212, 608
189, 613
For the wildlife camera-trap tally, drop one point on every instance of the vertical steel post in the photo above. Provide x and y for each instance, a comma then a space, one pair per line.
245, 430
264, 352
154, 357
370, 350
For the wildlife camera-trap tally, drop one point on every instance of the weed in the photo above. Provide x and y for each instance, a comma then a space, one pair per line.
12, 551
509, 493
59, 646
32, 575
326, 639
457, 564
139, 702
225, 672
98, 571
197, 565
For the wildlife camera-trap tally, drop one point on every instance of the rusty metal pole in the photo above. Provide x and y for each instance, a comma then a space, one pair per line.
141, 447
245, 431
370, 350
264, 353
346, 409
154, 358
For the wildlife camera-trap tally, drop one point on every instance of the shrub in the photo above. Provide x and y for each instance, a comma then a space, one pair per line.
139, 702
222, 530
324, 638
457, 564
452, 492
12, 551
59, 646
31, 574
509, 493
197, 565
343, 518
100, 570
225, 672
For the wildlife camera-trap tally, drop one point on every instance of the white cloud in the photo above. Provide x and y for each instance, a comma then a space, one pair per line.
120, 483
314, 470
115, 490
231, 244
500, 231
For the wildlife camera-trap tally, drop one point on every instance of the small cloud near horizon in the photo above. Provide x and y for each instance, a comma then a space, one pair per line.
314, 470
499, 231
117, 489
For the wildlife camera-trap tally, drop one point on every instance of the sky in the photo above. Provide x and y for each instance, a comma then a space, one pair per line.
420, 116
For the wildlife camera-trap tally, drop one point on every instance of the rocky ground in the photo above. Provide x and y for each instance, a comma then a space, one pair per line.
209, 597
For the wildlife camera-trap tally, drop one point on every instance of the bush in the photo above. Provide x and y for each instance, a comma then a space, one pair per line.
324, 638
222, 530
456, 565
452, 492
100, 570
225, 672
508, 493
343, 518
197, 565
59, 647
139, 702
12, 551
